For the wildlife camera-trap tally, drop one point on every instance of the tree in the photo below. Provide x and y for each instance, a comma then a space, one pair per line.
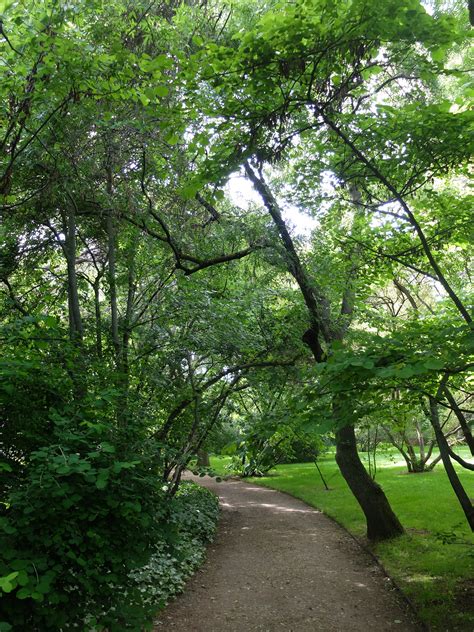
290, 77
140, 308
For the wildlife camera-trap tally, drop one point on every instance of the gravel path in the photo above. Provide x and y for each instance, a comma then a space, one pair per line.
278, 565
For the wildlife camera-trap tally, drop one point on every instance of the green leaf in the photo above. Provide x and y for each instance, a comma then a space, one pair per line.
190, 190
162, 61
161, 91
438, 54
8, 583
102, 479
173, 139
22, 578
37, 596
23, 593
434, 364
107, 447
406, 371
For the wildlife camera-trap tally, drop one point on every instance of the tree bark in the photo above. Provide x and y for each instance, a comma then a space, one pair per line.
382, 523
123, 367
113, 286
421, 442
76, 332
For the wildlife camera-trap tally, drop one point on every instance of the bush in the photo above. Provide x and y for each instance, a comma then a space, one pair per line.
194, 513
82, 501
302, 451
93, 535
73, 530
262, 449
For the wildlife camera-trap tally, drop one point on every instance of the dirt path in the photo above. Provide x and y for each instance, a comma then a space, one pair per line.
279, 565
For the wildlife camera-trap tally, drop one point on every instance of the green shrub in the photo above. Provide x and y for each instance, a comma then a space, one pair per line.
84, 514
193, 513
73, 530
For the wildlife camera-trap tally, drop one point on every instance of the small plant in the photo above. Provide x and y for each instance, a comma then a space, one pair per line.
193, 517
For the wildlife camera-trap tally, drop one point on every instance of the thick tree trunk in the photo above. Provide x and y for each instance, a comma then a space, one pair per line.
382, 523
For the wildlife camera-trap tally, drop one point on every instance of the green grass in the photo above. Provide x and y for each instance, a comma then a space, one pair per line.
438, 577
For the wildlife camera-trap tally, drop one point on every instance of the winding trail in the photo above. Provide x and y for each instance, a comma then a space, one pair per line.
278, 565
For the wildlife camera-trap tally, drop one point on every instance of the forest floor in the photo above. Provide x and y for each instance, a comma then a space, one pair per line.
278, 564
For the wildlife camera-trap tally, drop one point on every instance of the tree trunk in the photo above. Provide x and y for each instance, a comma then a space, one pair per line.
203, 458
123, 367
382, 523
113, 287
117, 341
98, 318
421, 441
433, 464
456, 484
75, 320
461, 418
76, 331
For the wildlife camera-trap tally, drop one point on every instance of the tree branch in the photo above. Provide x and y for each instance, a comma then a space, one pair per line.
410, 216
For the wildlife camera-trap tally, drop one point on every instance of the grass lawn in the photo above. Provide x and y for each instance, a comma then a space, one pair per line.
434, 562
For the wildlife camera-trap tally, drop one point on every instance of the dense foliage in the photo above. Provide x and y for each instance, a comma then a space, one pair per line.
145, 304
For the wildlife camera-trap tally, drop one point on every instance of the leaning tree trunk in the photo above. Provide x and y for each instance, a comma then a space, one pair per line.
461, 418
382, 523
462, 496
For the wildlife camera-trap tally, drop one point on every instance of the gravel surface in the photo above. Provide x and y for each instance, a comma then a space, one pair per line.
279, 565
